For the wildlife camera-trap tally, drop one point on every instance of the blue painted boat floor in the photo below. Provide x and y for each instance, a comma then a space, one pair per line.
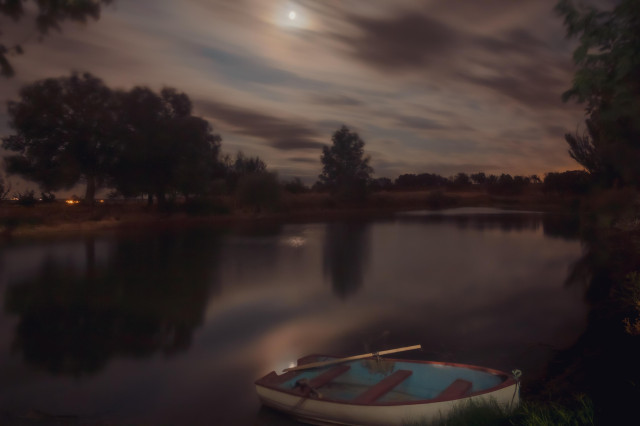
426, 382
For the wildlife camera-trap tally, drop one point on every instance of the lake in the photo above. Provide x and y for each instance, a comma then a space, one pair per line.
172, 326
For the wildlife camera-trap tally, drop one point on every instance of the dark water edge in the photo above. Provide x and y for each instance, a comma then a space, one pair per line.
135, 314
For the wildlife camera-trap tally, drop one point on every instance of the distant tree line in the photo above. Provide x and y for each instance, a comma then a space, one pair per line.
574, 182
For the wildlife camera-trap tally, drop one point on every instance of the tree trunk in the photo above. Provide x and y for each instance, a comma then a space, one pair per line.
162, 200
90, 194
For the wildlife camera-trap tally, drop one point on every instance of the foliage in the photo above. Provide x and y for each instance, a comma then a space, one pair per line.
259, 191
62, 143
423, 180
632, 284
235, 169
460, 181
381, 184
608, 81
160, 146
47, 197
4, 189
575, 182
200, 206
346, 171
295, 186
479, 178
27, 198
50, 14
505, 184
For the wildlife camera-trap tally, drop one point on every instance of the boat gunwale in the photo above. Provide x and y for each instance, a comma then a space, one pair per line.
510, 381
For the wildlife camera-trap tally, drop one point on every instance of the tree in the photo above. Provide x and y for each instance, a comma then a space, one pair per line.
479, 178
607, 80
235, 169
259, 191
461, 180
63, 133
346, 170
161, 147
49, 15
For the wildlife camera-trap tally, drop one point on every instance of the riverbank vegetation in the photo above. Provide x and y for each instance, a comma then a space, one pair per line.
576, 412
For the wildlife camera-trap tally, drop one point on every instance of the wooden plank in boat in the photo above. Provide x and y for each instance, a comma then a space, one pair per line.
455, 390
383, 387
328, 376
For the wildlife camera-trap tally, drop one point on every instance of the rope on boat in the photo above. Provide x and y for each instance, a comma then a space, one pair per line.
516, 376
307, 391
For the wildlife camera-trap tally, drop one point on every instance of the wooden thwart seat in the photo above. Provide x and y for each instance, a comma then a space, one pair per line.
382, 387
455, 390
328, 376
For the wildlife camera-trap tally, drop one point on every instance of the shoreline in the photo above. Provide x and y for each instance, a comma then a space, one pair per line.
58, 218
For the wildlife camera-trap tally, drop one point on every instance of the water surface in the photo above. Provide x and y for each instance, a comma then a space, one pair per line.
172, 326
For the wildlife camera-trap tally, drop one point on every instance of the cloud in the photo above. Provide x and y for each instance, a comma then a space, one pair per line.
279, 133
513, 62
335, 100
405, 41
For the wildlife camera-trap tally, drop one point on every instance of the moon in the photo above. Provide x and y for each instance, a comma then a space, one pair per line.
292, 15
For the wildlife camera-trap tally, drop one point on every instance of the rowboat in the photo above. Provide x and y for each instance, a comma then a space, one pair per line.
370, 390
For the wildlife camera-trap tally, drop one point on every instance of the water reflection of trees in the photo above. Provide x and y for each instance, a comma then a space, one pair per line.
603, 363
553, 225
148, 297
346, 256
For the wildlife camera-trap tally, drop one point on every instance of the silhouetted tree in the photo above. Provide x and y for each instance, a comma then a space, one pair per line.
63, 132
49, 15
161, 147
479, 178
608, 81
295, 186
259, 191
421, 181
346, 171
381, 184
506, 184
575, 182
4, 189
461, 180
235, 169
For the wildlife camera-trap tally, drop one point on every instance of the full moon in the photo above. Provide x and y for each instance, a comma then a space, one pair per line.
292, 15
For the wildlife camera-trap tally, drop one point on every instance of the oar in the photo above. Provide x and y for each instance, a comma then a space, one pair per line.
351, 358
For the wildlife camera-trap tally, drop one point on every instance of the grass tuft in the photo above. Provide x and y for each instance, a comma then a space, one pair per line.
578, 412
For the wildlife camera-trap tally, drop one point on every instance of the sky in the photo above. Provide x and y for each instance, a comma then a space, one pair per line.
431, 86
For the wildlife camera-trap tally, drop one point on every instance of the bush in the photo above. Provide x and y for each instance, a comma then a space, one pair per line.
47, 197
27, 198
205, 206
295, 186
575, 182
259, 191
